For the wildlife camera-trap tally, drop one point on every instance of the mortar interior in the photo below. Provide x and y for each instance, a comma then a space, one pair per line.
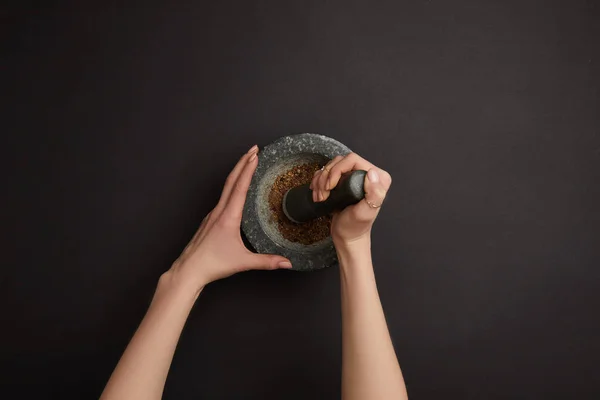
266, 218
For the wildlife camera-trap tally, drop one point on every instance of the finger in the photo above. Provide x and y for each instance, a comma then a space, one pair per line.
235, 204
315, 179
233, 177
323, 178
267, 261
313, 185
375, 192
351, 162
322, 181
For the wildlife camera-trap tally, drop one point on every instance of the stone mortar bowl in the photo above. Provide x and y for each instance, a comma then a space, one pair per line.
258, 223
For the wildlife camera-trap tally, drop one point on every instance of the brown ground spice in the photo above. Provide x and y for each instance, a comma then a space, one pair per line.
308, 232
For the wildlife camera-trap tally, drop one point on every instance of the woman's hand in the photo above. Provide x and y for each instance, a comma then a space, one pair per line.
370, 368
216, 251
353, 224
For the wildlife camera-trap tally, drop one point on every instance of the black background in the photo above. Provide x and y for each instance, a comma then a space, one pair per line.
120, 124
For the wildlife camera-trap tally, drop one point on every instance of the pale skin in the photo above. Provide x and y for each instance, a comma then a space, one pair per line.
370, 369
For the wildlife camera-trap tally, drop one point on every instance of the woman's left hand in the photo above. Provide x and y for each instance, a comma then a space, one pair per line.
216, 251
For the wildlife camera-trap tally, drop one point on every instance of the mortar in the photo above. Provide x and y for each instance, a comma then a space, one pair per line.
258, 223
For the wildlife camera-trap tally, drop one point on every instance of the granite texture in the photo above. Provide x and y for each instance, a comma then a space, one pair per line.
258, 225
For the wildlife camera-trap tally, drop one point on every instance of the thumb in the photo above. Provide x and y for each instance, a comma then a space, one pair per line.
375, 191
267, 261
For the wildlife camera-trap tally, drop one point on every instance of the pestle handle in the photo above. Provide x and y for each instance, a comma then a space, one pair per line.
299, 207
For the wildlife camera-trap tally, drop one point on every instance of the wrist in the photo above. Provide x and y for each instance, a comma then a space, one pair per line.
354, 252
177, 281
356, 265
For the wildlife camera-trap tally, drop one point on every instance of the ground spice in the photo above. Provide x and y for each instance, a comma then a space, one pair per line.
308, 232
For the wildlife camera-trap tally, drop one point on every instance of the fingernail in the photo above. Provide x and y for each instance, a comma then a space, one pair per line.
253, 149
252, 157
373, 176
284, 264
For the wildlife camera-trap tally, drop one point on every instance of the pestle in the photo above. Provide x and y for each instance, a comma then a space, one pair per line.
299, 207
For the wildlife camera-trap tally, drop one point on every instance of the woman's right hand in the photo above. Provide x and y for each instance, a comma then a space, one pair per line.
353, 224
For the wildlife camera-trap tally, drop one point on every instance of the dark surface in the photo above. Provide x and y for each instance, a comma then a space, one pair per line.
119, 127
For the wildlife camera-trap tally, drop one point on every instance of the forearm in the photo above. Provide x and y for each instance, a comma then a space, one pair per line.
370, 369
142, 371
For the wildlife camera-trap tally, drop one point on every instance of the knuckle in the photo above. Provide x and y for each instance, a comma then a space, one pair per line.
230, 180
380, 192
213, 217
386, 178
226, 219
220, 222
234, 217
335, 169
238, 187
354, 157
